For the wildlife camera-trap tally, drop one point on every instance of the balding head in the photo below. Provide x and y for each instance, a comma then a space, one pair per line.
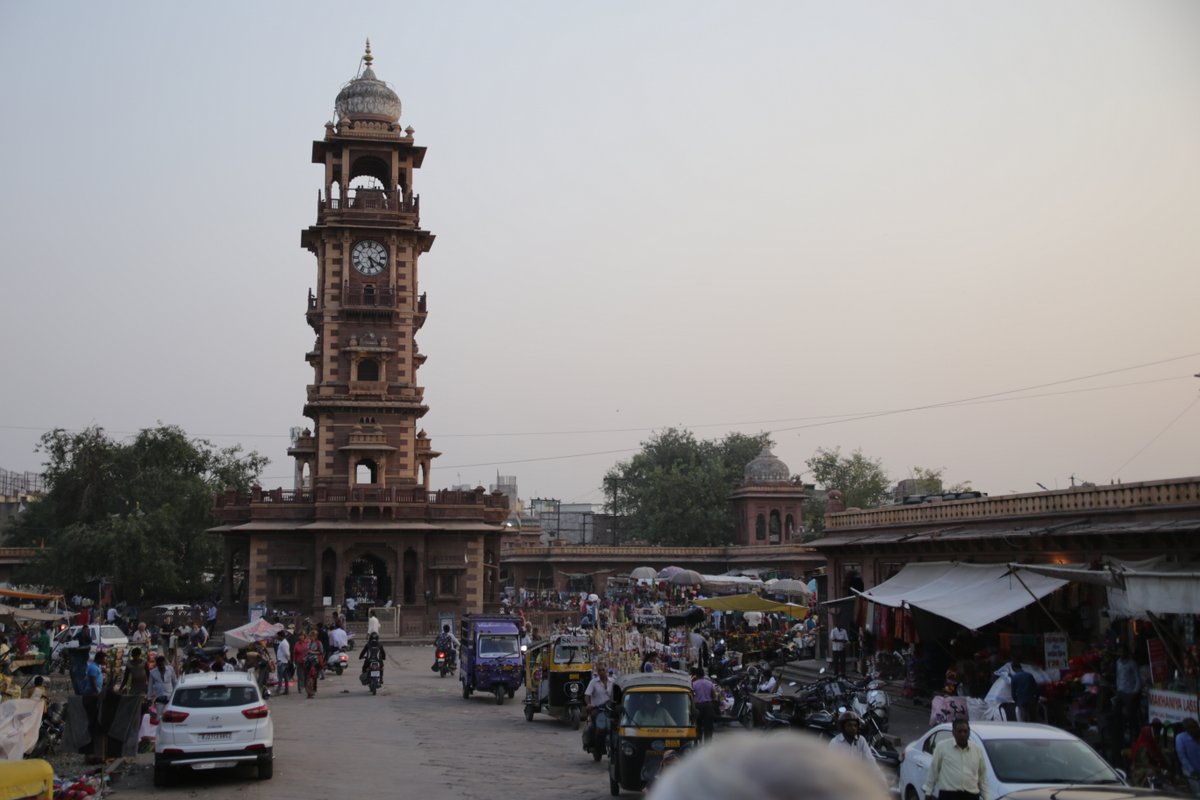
756, 767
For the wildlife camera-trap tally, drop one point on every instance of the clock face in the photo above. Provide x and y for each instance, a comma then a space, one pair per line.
369, 257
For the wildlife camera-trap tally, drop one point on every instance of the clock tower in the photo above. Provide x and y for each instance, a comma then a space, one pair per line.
361, 520
365, 401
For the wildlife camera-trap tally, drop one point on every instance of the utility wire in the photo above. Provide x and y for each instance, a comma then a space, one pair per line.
1143, 448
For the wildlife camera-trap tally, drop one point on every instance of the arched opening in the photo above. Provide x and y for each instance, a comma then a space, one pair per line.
789, 527
368, 580
410, 576
328, 572
776, 527
368, 187
368, 370
368, 295
305, 476
760, 527
366, 471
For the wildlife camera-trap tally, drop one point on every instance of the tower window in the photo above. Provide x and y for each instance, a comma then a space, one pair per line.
760, 527
368, 370
366, 471
775, 527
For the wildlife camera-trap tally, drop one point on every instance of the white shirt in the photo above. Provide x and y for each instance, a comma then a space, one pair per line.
372, 625
768, 685
753, 618
599, 693
858, 748
837, 639
338, 638
112, 614
283, 652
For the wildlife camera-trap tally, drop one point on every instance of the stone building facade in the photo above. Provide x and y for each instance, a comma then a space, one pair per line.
361, 519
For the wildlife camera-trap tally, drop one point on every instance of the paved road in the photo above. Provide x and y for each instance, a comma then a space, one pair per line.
416, 738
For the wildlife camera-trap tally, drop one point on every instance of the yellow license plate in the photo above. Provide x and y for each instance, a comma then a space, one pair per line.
507, 667
671, 743
574, 676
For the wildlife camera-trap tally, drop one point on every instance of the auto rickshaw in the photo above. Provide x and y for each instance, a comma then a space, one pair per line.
557, 671
655, 715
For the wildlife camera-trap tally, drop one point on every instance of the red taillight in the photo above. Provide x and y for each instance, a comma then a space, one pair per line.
259, 746
171, 715
441, 654
258, 712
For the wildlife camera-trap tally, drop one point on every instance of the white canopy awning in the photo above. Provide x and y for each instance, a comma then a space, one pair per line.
1135, 587
971, 595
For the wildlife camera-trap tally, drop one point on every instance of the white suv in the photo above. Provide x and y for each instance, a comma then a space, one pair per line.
214, 720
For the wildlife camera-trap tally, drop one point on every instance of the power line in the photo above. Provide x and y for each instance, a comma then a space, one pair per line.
1143, 448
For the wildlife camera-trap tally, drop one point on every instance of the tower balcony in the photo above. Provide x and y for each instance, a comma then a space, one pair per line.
370, 205
362, 502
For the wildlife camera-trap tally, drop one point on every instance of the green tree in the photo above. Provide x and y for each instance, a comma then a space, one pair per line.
930, 481
675, 491
133, 512
862, 481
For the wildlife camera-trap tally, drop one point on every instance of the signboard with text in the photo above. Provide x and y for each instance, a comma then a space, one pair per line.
1056, 650
1171, 706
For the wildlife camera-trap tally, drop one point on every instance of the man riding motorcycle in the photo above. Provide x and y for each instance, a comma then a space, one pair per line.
447, 643
373, 649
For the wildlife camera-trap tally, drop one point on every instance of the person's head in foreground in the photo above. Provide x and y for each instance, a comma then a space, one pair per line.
767, 767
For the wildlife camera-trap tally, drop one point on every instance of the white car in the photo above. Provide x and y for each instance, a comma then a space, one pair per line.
212, 721
107, 635
1019, 755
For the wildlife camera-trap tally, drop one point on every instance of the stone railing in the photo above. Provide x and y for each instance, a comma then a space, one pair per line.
1083, 499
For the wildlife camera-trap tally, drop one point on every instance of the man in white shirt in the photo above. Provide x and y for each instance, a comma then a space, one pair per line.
372, 623
338, 638
283, 660
957, 771
850, 743
838, 638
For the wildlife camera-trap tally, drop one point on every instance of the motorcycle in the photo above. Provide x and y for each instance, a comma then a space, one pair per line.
373, 675
338, 661
444, 662
50, 733
595, 735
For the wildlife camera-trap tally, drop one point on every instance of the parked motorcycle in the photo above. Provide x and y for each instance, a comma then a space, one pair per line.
50, 733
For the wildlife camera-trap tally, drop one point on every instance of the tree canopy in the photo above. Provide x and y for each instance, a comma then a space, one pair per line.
133, 512
862, 481
675, 491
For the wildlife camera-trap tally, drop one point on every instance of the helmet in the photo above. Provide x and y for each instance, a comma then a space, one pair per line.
374, 637
848, 716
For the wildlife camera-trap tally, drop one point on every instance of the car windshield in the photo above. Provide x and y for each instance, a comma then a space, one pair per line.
1047, 761
111, 632
497, 646
214, 696
657, 709
571, 654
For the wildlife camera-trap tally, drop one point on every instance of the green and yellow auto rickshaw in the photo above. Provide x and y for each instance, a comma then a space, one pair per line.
557, 671
655, 714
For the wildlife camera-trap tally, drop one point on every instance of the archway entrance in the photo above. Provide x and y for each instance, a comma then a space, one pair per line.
368, 580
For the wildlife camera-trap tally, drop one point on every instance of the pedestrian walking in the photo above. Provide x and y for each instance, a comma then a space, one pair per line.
706, 705
957, 771
283, 661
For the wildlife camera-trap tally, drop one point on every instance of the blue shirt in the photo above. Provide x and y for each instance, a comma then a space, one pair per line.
1188, 750
1024, 688
93, 671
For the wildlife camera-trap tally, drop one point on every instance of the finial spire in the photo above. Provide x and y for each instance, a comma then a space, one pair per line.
367, 57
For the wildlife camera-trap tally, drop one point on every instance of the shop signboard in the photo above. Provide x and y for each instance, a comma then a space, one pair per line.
644, 616
1056, 650
1171, 706
1159, 672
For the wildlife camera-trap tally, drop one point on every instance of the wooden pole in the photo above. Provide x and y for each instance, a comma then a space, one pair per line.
1038, 600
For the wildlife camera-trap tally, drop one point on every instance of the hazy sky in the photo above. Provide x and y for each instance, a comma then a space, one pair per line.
725, 216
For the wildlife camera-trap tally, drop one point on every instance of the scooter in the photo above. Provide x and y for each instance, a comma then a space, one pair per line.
595, 736
338, 661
